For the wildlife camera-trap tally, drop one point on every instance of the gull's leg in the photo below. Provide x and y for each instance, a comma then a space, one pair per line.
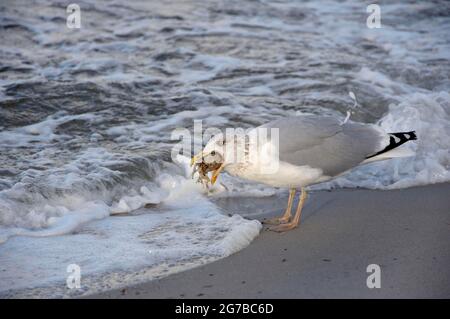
294, 223
287, 214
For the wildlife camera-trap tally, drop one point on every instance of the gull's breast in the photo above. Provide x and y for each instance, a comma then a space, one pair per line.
280, 174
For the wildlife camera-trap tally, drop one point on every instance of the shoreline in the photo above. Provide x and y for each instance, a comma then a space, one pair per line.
404, 231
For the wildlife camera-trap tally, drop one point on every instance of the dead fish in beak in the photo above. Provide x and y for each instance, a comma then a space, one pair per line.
203, 168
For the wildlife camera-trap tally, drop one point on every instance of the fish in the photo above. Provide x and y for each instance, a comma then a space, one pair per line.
203, 169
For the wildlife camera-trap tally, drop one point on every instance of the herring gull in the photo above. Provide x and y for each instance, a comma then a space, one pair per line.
307, 150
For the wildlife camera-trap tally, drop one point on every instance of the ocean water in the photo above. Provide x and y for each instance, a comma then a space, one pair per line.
86, 117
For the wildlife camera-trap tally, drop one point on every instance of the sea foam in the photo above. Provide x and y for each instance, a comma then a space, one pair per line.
184, 229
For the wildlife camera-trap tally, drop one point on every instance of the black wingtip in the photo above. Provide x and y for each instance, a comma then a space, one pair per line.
405, 136
397, 139
412, 135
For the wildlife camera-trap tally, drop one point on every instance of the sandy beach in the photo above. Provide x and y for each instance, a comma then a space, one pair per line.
405, 232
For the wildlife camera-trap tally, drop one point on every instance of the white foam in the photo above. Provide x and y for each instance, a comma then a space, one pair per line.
184, 230
130, 203
41, 132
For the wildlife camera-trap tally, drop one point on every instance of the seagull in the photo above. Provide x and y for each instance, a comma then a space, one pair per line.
301, 151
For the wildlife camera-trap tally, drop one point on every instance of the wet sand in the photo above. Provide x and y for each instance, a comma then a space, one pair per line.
406, 232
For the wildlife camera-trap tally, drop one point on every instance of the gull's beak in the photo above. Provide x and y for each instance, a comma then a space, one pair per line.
216, 173
195, 158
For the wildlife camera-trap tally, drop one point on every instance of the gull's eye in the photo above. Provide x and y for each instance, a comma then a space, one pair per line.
213, 153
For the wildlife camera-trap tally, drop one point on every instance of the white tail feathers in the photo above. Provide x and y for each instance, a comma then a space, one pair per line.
394, 153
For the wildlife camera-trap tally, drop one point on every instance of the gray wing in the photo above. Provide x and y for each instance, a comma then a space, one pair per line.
322, 142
